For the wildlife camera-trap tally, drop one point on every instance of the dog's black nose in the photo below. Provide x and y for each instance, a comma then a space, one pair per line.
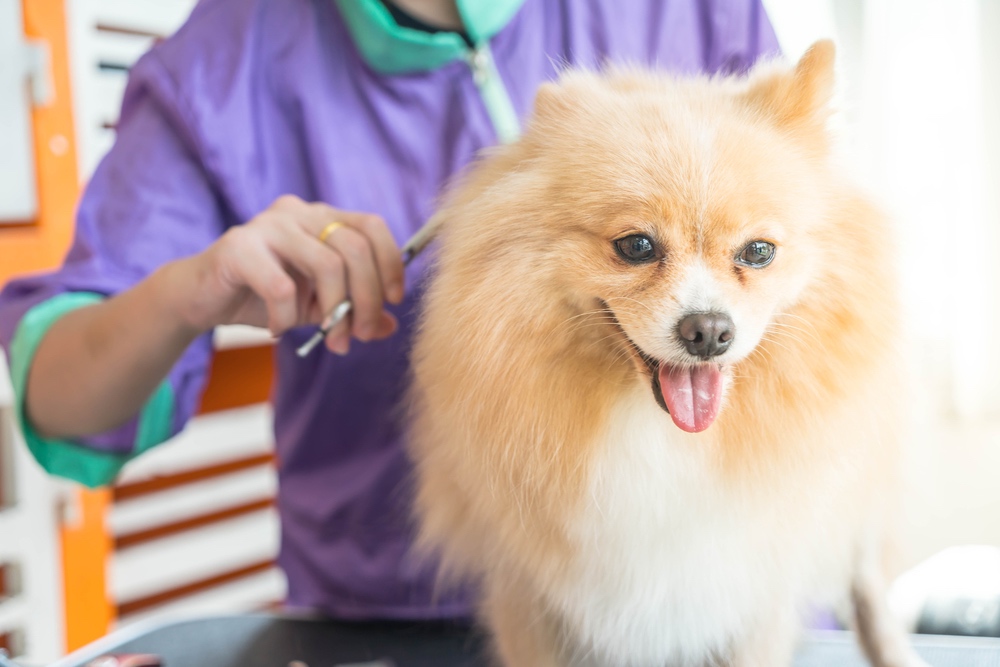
706, 334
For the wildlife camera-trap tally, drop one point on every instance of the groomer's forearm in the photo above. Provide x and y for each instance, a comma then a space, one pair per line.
97, 366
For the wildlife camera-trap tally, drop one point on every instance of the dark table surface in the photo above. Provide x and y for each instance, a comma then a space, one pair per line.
275, 641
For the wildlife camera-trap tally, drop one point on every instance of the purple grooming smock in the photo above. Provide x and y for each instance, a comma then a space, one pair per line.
253, 99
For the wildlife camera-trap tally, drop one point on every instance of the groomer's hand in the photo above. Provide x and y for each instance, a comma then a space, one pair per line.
276, 272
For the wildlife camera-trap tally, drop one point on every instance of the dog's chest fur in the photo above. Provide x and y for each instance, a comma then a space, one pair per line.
671, 567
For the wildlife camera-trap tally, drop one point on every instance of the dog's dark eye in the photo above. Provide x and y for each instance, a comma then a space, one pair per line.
636, 248
756, 254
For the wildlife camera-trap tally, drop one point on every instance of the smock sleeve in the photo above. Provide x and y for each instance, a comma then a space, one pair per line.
149, 202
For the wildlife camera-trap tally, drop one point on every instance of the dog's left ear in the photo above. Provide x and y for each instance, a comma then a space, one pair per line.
800, 98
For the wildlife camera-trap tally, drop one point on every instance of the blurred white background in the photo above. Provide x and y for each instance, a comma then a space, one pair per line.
921, 121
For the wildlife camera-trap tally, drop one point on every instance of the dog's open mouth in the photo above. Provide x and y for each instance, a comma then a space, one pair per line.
691, 394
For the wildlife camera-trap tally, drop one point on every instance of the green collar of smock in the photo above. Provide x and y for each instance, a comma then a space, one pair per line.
392, 49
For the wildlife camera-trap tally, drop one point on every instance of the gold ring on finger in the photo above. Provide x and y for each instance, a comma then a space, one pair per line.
328, 230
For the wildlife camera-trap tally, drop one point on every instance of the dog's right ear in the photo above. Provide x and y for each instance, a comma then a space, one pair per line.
800, 98
552, 114
550, 102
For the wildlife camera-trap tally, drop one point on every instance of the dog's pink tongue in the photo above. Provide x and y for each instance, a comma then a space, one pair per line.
693, 395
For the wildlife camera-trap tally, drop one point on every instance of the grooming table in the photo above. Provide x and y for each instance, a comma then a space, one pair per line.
277, 641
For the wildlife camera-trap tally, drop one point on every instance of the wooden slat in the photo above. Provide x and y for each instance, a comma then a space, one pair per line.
142, 536
208, 440
119, 48
134, 489
190, 500
112, 66
173, 561
12, 641
126, 30
239, 377
140, 604
270, 607
10, 580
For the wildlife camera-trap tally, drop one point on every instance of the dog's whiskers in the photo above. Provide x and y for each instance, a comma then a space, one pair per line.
764, 354
601, 315
769, 339
800, 318
628, 298
787, 329
596, 311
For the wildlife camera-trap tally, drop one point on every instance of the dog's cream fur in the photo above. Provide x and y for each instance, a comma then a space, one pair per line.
602, 533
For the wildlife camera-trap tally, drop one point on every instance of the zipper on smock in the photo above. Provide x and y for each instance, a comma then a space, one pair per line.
493, 93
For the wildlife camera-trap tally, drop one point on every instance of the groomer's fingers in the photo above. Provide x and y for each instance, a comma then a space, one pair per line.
339, 338
358, 259
256, 266
388, 256
363, 281
316, 217
323, 268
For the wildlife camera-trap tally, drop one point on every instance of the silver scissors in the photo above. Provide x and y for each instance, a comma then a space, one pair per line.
411, 249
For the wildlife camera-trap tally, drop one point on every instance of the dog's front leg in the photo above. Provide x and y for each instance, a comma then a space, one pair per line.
880, 634
523, 636
772, 643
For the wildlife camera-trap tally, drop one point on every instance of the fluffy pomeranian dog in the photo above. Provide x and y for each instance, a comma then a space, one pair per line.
655, 386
